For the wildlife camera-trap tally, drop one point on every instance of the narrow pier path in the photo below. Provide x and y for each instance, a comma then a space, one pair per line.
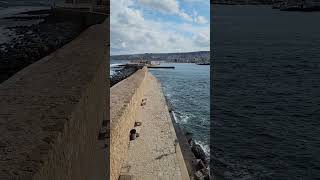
155, 154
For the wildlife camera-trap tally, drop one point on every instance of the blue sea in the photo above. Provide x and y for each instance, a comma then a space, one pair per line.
266, 94
187, 87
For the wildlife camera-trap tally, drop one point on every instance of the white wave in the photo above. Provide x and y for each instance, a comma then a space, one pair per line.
205, 147
204, 121
113, 68
112, 73
184, 118
174, 117
114, 65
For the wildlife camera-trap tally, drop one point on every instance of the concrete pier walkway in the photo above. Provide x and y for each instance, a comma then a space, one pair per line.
156, 153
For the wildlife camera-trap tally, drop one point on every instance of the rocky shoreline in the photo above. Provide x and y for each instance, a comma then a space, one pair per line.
202, 161
30, 43
123, 73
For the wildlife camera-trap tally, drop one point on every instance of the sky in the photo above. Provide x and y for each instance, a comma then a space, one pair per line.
159, 26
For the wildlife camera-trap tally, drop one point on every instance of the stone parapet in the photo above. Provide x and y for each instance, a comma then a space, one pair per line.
125, 97
51, 113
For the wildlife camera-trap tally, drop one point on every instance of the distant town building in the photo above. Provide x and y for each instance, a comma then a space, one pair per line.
144, 62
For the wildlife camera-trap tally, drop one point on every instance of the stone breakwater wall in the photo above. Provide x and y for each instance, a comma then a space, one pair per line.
125, 97
52, 112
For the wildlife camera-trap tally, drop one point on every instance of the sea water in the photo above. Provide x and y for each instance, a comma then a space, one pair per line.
187, 87
10, 8
266, 93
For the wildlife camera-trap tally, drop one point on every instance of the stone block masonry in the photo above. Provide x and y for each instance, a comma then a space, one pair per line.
124, 101
156, 152
51, 113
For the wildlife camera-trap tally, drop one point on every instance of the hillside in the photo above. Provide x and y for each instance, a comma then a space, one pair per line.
188, 57
241, 2
284, 5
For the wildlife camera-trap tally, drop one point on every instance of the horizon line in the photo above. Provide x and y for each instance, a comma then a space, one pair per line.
157, 53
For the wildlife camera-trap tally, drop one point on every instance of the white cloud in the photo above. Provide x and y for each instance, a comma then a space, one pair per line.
200, 20
185, 16
167, 6
172, 7
132, 33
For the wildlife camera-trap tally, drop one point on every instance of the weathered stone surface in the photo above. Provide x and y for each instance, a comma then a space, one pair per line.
51, 113
125, 109
156, 152
125, 98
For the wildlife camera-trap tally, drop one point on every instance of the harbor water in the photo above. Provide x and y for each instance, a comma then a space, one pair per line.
266, 93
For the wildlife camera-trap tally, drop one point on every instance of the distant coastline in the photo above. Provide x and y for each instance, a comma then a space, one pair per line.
199, 57
241, 3
282, 5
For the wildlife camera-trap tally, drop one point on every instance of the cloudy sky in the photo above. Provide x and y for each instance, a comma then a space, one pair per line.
154, 26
